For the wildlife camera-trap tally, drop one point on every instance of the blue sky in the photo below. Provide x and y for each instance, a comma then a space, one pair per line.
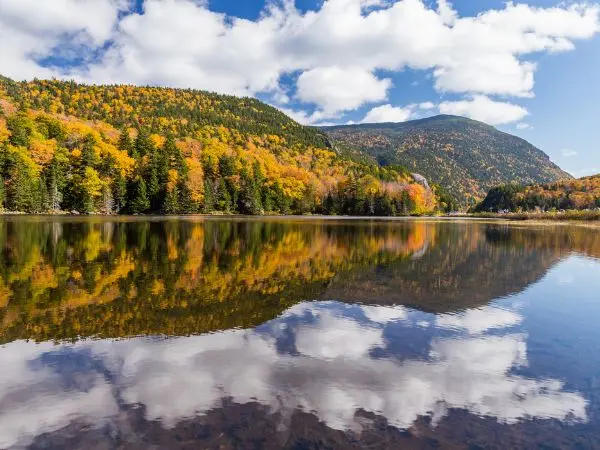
530, 68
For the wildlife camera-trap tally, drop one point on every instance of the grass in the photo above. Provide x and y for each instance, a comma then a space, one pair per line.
555, 216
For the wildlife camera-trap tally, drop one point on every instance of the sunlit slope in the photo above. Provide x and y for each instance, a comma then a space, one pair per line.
465, 156
126, 149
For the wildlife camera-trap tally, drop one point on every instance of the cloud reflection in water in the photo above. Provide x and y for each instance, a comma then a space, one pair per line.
327, 358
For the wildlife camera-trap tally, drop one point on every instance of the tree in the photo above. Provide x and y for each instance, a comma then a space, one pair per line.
249, 201
92, 188
119, 192
139, 203
20, 192
21, 128
172, 201
143, 144
223, 197
2, 194
89, 158
209, 196
125, 144
186, 205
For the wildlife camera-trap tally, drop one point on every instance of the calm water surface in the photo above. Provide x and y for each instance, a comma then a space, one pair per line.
247, 333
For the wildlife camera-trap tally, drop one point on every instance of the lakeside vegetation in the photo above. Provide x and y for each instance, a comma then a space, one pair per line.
563, 200
555, 216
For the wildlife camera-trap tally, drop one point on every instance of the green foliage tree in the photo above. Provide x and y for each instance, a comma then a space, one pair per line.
139, 204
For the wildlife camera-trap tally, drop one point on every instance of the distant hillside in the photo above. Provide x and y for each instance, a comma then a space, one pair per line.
580, 194
124, 149
464, 156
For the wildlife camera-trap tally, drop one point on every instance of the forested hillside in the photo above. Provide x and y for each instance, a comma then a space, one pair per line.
125, 149
466, 157
580, 194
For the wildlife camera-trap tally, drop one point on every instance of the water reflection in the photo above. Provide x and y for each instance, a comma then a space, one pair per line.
327, 358
301, 334
65, 279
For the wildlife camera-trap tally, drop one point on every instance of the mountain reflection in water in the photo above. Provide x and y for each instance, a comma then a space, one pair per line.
439, 334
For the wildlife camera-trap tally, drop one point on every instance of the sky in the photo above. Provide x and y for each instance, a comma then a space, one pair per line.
529, 68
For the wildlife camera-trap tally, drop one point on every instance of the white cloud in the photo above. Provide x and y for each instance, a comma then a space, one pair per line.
383, 314
335, 51
568, 153
336, 89
482, 108
477, 321
426, 105
387, 113
523, 126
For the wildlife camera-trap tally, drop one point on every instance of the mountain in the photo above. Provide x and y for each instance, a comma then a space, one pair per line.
580, 194
464, 156
66, 146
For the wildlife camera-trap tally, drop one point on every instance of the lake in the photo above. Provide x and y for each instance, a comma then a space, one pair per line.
298, 333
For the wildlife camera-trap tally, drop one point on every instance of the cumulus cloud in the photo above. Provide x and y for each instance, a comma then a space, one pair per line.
334, 53
387, 113
316, 356
336, 89
482, 108
32, 30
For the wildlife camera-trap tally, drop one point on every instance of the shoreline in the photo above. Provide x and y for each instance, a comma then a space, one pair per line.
513, 218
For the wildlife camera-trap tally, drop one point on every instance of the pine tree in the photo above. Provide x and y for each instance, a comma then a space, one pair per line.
20, 194
125, 144
249, 200
154, 191
2, 194
186, 205
223, 197
89, 158
140, 203
143, 144
172, 201
119, 192
209, 196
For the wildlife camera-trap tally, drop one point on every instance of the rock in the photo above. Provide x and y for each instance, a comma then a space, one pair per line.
421, 180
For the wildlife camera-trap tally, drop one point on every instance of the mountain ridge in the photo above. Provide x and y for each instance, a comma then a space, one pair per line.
466, 156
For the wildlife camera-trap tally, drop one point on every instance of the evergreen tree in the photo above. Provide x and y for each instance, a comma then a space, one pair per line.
2, 194
119, 192
89, 158
140, 203
249, 200
125, 142
186, 205
223, 197
172, 201
20, 192
143, 144
209, 196
154, 188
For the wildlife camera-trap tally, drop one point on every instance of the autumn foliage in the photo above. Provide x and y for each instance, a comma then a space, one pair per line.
138, 150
